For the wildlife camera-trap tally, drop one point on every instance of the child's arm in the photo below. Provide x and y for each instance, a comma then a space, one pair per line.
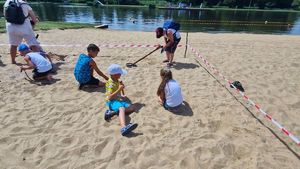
161, 98
114, 95
33, 17
95, 67
29, 65
122, 91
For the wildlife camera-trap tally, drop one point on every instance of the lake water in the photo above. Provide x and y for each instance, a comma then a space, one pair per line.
144, 19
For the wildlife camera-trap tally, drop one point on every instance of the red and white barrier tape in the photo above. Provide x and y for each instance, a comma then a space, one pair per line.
102, 45
284, 130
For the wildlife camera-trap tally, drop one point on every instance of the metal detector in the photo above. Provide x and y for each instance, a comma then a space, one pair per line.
29, 79
134, 64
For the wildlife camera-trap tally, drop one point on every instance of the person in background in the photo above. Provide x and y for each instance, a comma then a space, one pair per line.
171, 34
17, 31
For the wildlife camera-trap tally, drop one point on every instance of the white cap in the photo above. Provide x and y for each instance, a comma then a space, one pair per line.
116, 69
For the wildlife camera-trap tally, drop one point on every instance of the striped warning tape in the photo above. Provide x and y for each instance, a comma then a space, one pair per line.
101, 45
284, 130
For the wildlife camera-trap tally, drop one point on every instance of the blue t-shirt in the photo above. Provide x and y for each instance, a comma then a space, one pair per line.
82, 71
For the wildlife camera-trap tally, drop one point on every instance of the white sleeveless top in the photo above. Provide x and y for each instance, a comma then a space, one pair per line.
173, 94
177, 34
41, 63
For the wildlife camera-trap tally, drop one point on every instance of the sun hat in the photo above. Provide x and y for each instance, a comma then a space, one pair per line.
114, 69
23, 47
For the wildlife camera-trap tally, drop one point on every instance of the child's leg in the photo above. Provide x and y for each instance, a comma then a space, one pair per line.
122, 116
130, 109
94, 82
168, 56
171, 57
42, 76
47, 77
101, 84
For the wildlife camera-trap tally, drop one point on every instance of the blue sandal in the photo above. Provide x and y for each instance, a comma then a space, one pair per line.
128, 128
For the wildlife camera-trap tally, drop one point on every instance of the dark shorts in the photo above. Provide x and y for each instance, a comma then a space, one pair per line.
172, 47
172, 109
92, 81
37, 74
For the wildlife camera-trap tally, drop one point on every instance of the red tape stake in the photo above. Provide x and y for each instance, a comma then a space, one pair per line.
208, 65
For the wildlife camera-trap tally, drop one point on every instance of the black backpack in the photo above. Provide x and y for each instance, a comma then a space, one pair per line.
14, 13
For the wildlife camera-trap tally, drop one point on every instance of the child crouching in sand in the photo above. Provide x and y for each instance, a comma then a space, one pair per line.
169, 91
85, 67
42, 65
114, 99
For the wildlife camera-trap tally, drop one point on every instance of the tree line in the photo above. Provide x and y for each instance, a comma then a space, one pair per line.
261, 4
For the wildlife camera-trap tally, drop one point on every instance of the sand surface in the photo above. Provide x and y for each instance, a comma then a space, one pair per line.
49, 126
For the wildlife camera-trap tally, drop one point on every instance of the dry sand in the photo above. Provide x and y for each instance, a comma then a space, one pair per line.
57, 126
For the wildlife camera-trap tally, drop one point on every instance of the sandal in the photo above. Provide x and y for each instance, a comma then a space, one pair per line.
169, 64
108, 115
128, 128
80, 86
165, 61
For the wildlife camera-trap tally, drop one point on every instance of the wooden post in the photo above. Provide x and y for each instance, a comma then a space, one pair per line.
186, 43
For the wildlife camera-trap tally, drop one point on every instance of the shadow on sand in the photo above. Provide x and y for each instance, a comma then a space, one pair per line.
179, 66
184, 110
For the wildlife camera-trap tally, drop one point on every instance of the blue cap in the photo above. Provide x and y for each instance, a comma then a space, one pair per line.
23, 47
114, 69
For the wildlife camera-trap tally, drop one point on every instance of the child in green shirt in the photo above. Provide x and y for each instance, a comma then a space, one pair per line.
114, 99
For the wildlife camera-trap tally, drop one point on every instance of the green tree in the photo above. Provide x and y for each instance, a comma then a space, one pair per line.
296, 4
210, 3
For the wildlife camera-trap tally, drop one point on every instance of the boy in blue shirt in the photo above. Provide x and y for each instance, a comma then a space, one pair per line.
85, 67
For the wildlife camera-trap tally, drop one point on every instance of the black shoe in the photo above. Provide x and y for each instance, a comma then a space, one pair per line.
80, 86
169, 64
108, 115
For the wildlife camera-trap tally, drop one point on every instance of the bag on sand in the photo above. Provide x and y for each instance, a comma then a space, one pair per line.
238, 85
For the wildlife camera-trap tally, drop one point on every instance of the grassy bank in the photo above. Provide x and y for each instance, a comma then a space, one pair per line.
231, 9
47, 25
2, 25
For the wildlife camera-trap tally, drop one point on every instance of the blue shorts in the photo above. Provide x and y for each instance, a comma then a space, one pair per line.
114, 105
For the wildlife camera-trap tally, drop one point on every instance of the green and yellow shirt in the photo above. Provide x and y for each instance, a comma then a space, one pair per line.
110, 87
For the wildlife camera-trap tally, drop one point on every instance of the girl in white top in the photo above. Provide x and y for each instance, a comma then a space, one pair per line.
169, 91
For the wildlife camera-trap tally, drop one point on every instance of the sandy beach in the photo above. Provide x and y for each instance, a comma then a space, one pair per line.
49, 126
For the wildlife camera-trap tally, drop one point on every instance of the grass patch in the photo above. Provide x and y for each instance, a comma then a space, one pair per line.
48, 25
2, 25
154, 2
